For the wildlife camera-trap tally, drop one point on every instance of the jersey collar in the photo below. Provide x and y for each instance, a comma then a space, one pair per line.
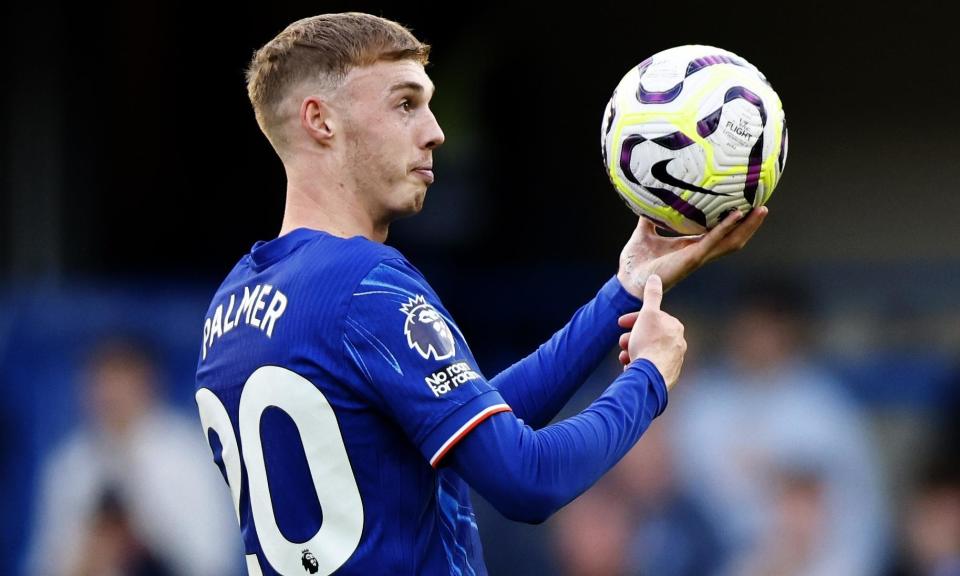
265, 252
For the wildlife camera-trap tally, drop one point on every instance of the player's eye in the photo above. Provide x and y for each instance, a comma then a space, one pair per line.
406, 104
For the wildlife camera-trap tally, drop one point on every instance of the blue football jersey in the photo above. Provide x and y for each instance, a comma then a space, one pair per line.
330, 384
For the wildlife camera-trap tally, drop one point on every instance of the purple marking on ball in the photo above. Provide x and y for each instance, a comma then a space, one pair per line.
741, 92
642, 68
753, 171
646, 97
698, 64
756, 153
664, 97
679, 204
626, 152
673, 141
708, 124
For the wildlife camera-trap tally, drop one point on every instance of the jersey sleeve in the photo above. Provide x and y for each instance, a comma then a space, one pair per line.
412, 360
539, 471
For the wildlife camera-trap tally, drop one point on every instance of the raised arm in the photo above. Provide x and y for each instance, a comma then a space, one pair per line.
538, 386
528, 474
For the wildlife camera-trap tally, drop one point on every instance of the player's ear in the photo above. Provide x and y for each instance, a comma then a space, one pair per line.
317, 118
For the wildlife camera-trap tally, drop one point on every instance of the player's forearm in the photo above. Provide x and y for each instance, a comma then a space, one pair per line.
529, 474
537, 387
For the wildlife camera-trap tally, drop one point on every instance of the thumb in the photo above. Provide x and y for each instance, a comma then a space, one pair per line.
652, 293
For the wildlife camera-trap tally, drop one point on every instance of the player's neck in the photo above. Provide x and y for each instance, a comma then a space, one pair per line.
331, 211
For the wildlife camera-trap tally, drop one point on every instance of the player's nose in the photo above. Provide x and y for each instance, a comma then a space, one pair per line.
433, 135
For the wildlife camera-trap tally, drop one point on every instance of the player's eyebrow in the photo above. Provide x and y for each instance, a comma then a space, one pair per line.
410, 85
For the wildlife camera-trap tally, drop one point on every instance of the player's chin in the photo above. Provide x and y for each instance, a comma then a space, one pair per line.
412, 206
417, 198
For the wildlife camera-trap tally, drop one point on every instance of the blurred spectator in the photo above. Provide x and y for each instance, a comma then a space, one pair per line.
113, 547
776, 454
932, 522
133, 492
792, 545
670, 533
591, 535
636, 521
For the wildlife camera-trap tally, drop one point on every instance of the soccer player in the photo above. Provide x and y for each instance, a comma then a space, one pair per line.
340, 400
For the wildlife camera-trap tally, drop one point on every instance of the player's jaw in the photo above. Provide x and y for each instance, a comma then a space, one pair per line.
422, 172
424, 178
405, 197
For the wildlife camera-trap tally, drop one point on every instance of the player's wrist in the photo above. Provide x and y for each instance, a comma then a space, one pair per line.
629, 288
655, 379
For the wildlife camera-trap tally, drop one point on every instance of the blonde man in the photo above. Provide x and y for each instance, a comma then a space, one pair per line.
340, 398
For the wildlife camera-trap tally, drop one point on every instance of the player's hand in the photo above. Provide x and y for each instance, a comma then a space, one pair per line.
654, 335
646, 252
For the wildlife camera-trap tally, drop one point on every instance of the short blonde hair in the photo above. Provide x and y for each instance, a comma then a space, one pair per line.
323, 49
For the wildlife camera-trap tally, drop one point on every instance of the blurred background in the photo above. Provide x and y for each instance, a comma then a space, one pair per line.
814, 431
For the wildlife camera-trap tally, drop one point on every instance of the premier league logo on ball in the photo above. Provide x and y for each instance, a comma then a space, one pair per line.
310, 563
426, 331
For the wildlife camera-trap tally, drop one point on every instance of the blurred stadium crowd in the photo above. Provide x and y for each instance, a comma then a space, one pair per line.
783, 451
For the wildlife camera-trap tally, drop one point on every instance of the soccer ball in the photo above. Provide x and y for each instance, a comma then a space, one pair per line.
692, 133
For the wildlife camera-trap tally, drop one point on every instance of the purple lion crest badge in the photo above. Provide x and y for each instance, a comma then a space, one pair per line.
426, 330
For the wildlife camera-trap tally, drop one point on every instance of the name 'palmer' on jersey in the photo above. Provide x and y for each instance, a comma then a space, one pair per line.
252, 304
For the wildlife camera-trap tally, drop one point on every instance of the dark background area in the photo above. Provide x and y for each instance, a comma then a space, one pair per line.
131, 149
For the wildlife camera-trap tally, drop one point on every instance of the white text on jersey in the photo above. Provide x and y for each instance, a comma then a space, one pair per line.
251, 304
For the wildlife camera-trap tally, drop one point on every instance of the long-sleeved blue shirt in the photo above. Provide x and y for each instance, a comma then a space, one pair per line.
345, 411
